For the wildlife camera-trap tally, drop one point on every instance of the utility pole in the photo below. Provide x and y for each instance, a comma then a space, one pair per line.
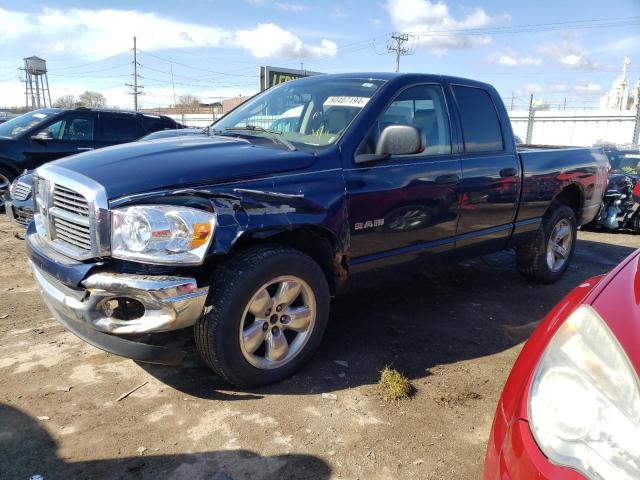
530, 122
135, 87
397, 48
173, 83
636, 127
512, 99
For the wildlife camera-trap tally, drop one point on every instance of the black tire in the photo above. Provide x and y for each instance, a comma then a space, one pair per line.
6, 175
531, 259
233, 284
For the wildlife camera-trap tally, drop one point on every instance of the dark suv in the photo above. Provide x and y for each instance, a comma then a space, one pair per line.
40, 136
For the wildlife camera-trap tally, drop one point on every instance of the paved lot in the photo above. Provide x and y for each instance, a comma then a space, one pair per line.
454, 332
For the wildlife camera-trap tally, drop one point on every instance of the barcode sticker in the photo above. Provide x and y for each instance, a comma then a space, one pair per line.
358, 102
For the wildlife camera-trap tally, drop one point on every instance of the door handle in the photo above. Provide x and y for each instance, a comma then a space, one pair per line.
447, 179
84, 149
508, 172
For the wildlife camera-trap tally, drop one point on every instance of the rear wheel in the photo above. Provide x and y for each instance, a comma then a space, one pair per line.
549, 254
265, 316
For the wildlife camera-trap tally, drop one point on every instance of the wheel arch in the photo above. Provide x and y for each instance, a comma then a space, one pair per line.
571, 195
9, 165
318, 243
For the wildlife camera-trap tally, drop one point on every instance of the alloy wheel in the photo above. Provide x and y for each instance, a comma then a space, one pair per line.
277, 322
559, 246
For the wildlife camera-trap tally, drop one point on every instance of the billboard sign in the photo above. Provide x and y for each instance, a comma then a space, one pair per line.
270, 76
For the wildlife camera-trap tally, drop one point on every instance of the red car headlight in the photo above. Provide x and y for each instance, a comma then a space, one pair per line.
584, 403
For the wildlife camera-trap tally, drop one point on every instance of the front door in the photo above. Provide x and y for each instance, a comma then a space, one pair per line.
406, 206
71, 134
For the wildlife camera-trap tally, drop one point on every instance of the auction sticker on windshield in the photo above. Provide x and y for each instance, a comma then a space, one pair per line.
346, 101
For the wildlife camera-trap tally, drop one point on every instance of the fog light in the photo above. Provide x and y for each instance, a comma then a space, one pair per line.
123, 308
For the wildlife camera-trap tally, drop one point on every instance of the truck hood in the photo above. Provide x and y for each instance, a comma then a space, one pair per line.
180, 162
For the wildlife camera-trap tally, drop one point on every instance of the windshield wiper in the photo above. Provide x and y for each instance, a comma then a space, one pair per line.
272, 134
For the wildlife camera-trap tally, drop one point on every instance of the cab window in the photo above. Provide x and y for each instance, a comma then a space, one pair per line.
76, 127
423, 107
120, 128
480, 124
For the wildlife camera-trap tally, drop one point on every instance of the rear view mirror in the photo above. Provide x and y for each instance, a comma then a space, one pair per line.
395, 140
42, 136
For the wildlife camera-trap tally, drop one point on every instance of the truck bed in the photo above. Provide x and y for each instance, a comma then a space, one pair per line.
548, 169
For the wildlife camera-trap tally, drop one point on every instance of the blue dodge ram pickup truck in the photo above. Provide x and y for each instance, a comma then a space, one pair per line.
244, 234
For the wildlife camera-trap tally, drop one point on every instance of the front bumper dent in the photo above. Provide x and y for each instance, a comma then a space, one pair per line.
170, 303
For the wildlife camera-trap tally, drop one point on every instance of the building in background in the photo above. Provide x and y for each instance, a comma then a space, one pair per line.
231, 103
620, 97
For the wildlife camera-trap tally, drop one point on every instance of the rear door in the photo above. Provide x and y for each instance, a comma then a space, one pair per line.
118, 128
490, 186
405, 207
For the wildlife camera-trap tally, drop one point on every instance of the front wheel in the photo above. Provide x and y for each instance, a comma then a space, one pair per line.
549, 254
6, 177
267, 311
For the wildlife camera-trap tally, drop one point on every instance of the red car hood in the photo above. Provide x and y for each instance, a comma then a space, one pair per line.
618, 303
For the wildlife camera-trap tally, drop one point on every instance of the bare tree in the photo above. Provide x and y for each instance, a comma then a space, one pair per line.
188, 102
92, 100
66, 101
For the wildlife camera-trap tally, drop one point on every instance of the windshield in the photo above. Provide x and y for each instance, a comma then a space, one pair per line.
314, 111
624, 161
16, 126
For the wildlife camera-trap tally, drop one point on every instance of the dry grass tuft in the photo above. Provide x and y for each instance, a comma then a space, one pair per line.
393, 385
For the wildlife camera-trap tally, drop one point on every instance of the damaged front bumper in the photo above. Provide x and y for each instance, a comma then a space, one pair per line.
105, 306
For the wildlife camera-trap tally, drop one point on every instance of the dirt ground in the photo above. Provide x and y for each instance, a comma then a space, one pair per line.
455, 333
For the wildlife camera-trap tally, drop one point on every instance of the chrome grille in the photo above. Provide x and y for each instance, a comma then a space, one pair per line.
72, 212
70, 201
20, 191
73, 233
22, 216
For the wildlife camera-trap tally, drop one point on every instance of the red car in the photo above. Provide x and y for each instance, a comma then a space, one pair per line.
571, 406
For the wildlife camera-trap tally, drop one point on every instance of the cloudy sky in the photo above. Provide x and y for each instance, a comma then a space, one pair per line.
555, 49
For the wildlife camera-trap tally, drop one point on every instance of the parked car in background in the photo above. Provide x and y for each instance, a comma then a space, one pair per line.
621, 202
571, 406
245, 233
173, 133
18, 200
40, 136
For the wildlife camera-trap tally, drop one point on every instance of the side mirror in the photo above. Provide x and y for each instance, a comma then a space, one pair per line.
395, 140
42, 136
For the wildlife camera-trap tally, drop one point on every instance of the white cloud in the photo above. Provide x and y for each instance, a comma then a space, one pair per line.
622, 45
570, 55
582, 87
269, 40
337, 13
99, 33
509, 58
587, 87
440, 30
291, 7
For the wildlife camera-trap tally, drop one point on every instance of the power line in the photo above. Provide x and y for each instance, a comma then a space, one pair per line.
537, 27
195, 68
94, 62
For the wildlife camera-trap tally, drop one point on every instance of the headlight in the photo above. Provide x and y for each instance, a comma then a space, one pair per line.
161, 234
40, 192
584, 404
